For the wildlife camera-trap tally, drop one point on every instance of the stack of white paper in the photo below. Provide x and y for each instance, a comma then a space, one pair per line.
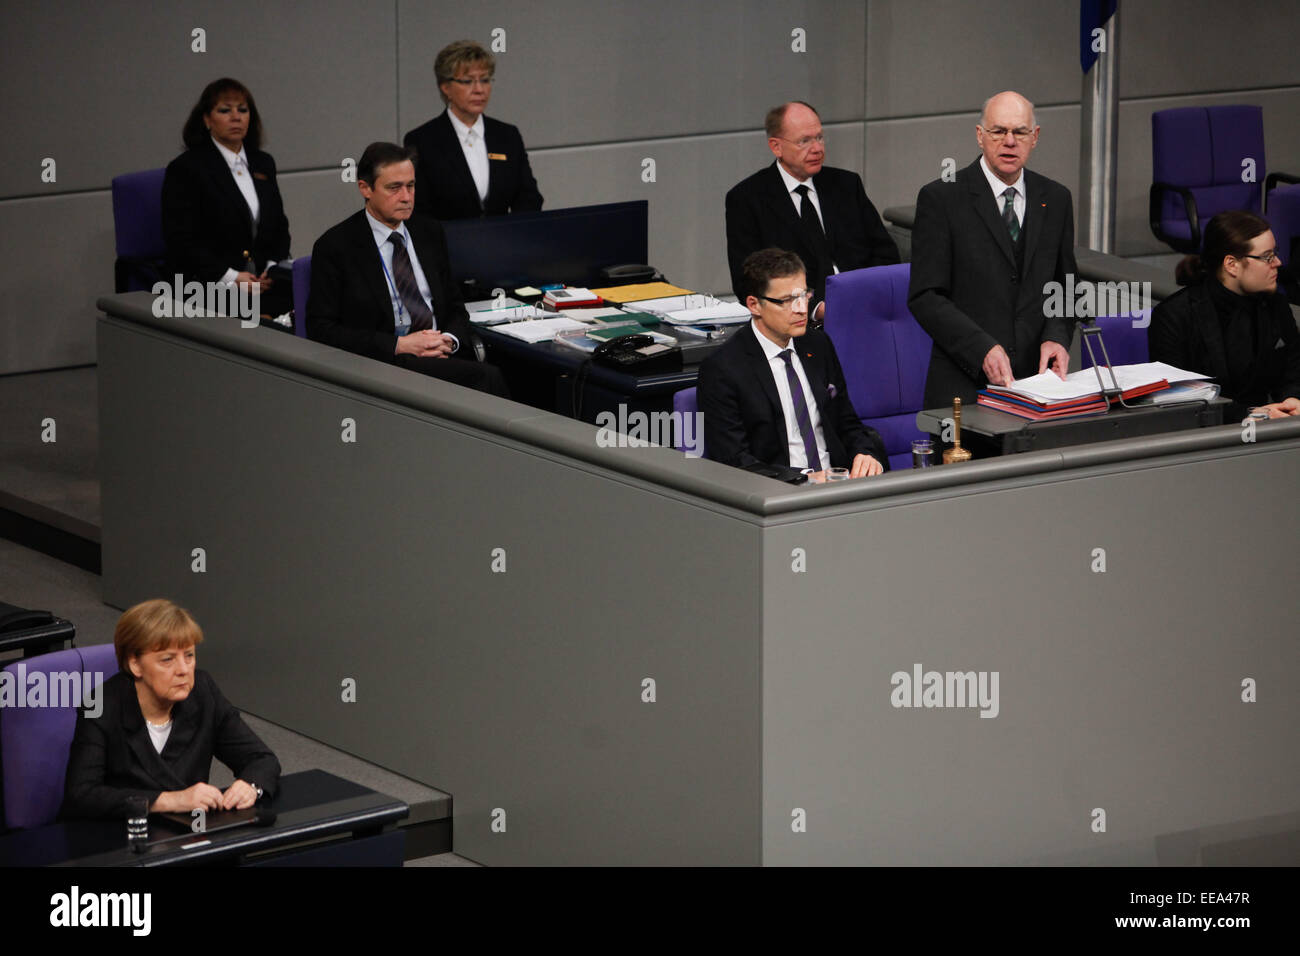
539, 330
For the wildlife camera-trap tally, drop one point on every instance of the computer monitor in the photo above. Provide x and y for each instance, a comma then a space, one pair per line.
555, 245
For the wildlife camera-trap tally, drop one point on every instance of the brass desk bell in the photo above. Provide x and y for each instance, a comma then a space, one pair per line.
956, 452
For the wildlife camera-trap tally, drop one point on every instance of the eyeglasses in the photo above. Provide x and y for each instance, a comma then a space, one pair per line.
1265, 258
798, 295
1021, 133
467, 82
806, 141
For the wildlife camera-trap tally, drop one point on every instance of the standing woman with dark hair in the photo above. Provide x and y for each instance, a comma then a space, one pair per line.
223, 219
1231, 322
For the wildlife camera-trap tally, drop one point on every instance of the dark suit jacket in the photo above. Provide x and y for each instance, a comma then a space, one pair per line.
761, 214
350, 305
743, 421
206, 223
444, 186
1185, 331
113, 757
966, 289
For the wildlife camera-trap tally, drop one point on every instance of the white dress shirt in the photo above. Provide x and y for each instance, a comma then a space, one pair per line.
999, 187
473, 140
401, 317
791, 184
798, 457
242, 174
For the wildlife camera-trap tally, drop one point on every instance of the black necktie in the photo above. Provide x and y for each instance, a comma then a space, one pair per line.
1009, 212
407, 288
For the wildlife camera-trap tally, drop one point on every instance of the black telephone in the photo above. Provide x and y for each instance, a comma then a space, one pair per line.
638, 353
629, 273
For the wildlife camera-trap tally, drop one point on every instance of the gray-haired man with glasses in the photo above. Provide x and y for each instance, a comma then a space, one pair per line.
984, 248
797, 203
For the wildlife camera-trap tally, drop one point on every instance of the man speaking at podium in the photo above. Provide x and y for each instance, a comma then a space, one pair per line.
984, 248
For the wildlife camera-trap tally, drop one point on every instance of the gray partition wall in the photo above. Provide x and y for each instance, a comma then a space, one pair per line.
597, 88
621, 655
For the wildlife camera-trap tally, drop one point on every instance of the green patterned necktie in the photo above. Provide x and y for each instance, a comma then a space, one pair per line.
1009, 212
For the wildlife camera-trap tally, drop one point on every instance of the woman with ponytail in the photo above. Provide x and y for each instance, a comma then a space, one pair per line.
1231, 322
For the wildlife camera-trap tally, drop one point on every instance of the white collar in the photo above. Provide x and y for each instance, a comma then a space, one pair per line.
770, 348
790, 182
461, 129
230, 156
382, 232
997, 185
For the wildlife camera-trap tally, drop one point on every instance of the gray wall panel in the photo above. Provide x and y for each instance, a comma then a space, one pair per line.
1138, 712
1191, 46
58, 259
315, 201
104, 88
584, 71
941, 57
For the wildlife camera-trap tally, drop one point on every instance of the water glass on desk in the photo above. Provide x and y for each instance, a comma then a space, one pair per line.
837, 474
923, 453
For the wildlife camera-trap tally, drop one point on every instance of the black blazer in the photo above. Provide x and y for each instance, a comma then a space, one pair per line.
761, 214
113, 757
444, 187
967, 291
1185, 331
206, 223
350, 305
744, 425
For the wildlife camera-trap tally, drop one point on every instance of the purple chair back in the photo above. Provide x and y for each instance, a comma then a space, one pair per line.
1284, 218
1202, 149
687, 404
137, 224
884, 352
1125, 337
301, 287
35, 741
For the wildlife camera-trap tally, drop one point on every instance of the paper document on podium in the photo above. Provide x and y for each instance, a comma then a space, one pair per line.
1047, 387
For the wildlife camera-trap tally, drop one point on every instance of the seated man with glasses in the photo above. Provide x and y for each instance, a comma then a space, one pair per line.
773, 397
985, 245
470, 165
818, 212
1231, 322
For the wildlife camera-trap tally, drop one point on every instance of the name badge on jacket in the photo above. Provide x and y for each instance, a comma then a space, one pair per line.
500, 156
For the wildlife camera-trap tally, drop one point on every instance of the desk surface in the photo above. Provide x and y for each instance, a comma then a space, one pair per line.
311, 805
1015, 434
563, 359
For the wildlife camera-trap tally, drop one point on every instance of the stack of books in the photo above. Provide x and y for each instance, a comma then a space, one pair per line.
571, 297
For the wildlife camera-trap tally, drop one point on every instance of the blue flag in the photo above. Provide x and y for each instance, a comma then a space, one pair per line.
1093, 14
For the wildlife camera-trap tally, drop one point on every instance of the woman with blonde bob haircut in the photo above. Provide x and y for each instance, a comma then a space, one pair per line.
161, 723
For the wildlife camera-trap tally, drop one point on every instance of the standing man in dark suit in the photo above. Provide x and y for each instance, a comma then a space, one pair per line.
381, 285
773, 397
222, 216
818, 212
984, 248
470, 165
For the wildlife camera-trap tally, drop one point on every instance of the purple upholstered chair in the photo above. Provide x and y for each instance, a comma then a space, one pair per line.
1197, 156
137, 230
1126, 342
35, 741
301, 286
685, 402
884, 353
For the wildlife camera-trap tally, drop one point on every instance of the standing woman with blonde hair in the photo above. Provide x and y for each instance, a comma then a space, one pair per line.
161, 723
